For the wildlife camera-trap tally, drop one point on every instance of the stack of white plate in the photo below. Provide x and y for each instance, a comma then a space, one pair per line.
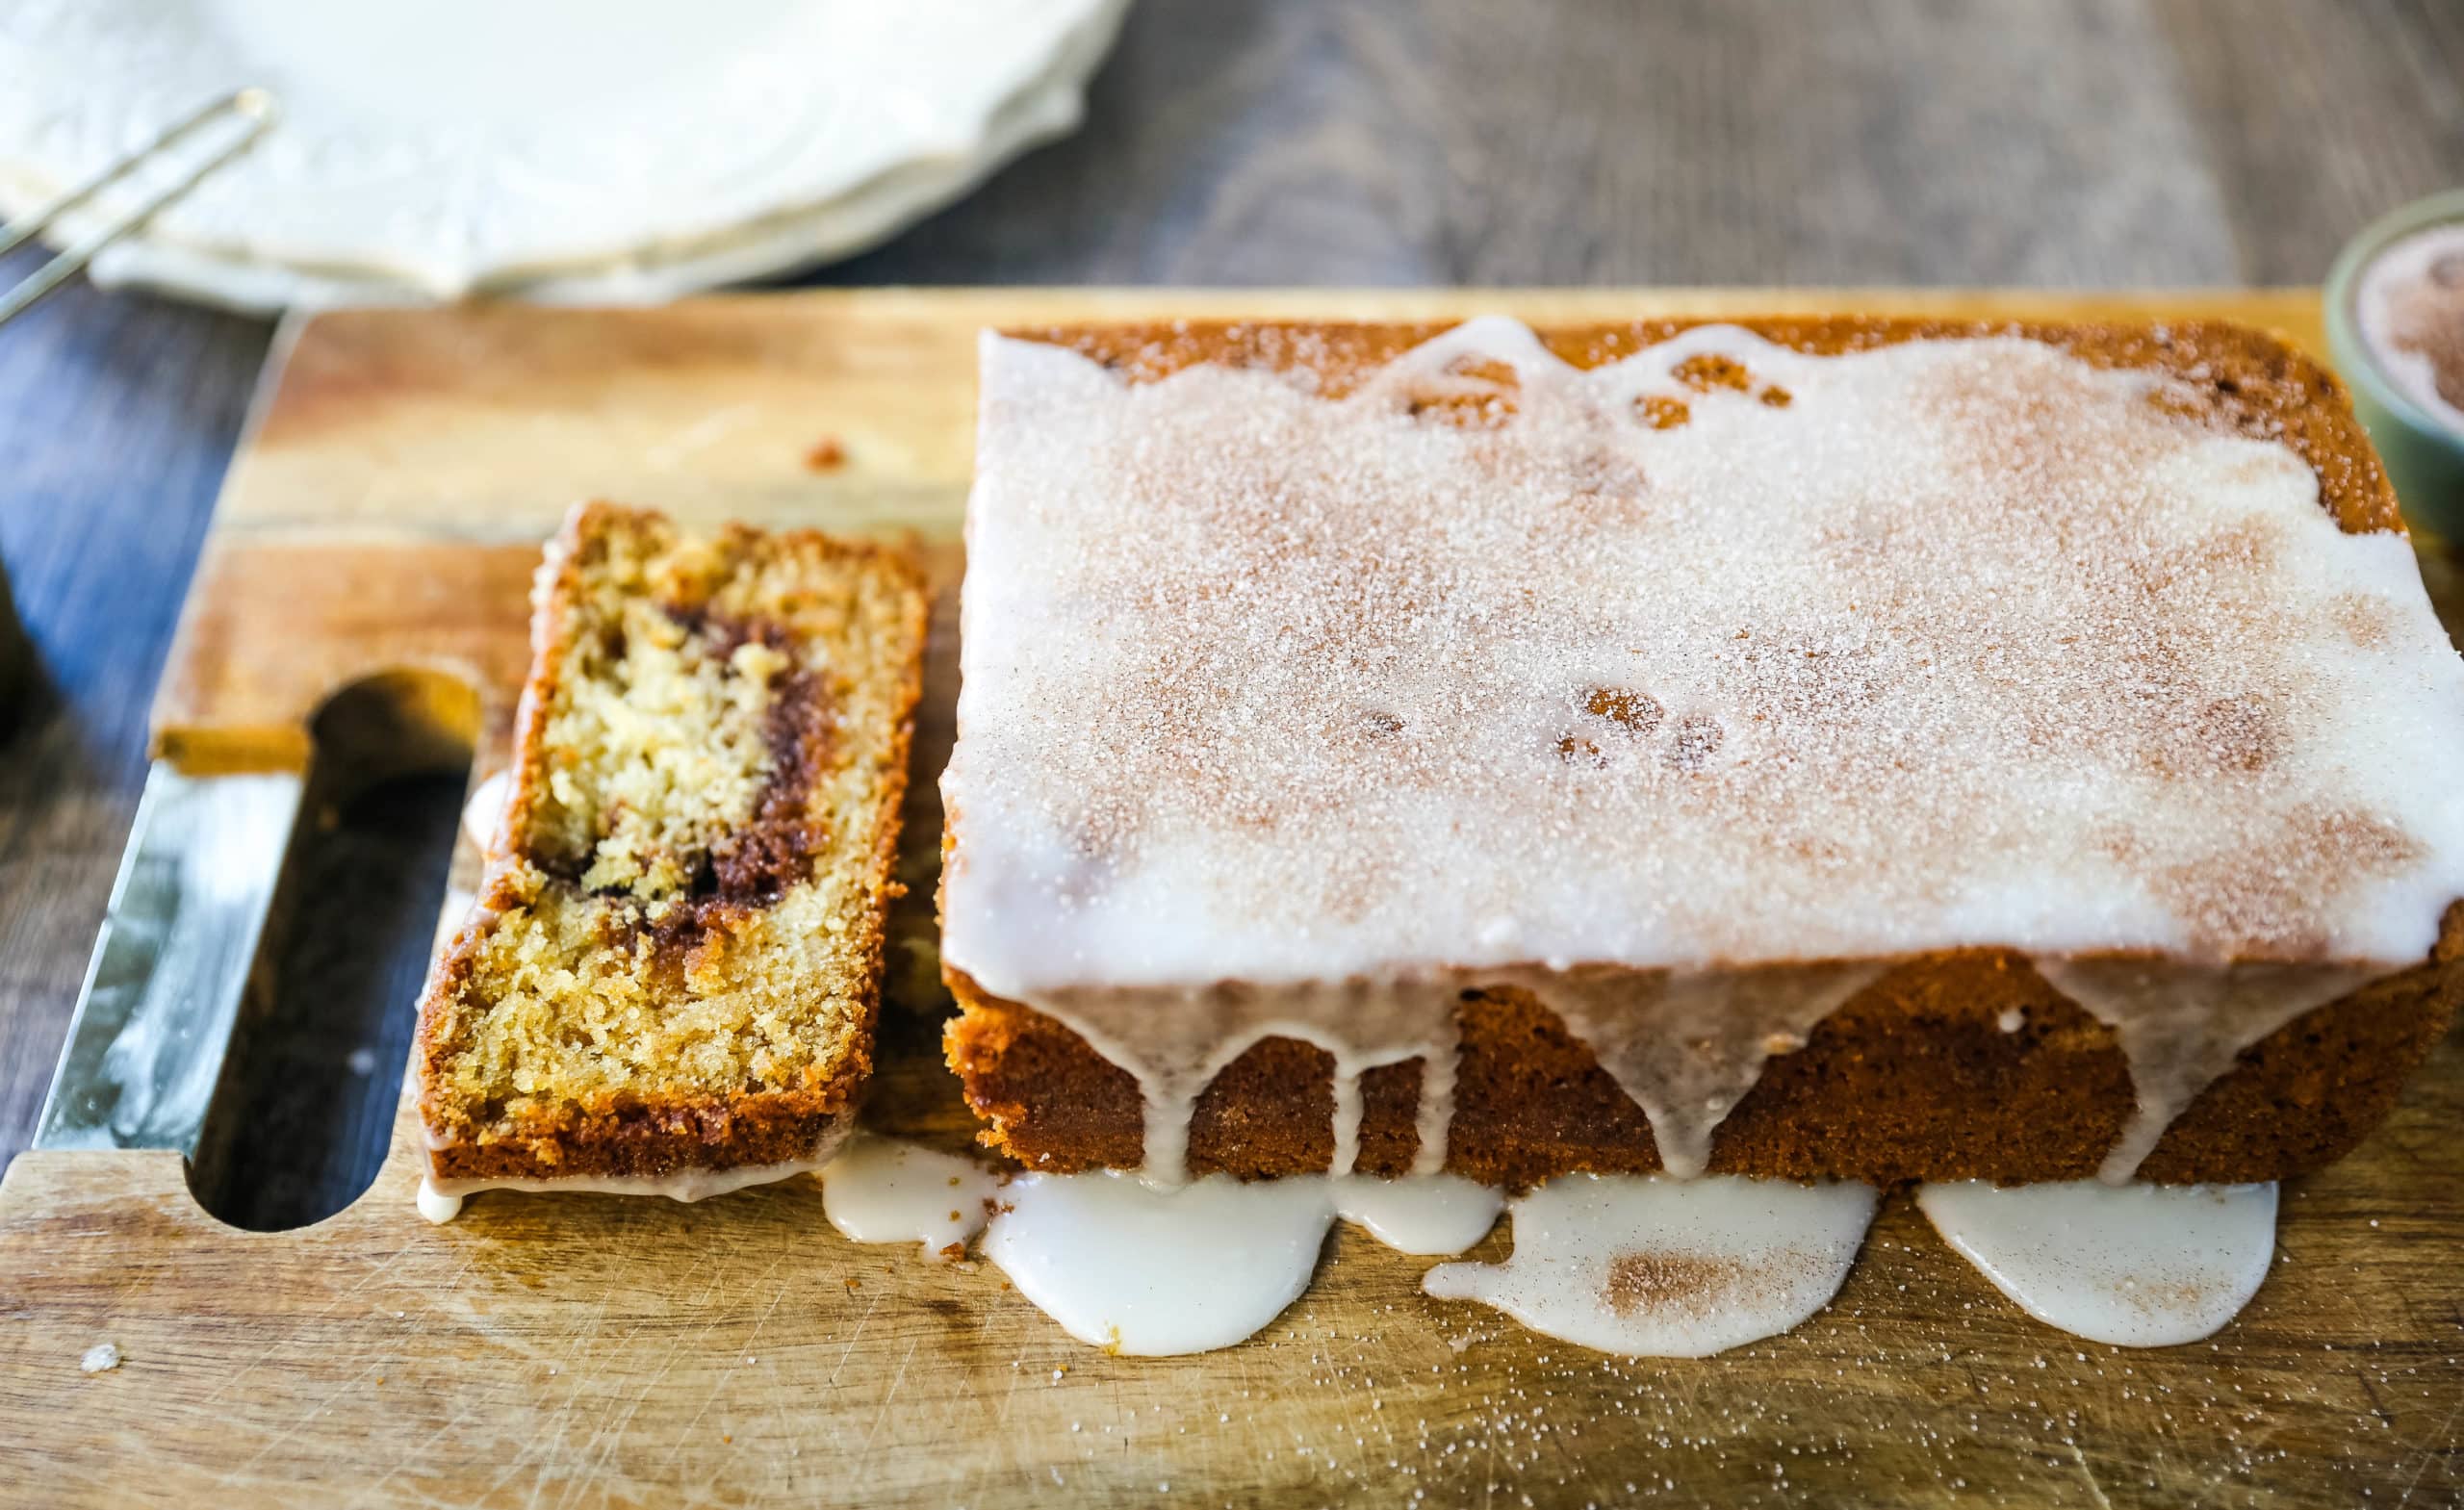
571, 150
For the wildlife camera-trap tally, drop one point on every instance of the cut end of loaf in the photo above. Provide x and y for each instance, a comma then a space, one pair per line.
677, 962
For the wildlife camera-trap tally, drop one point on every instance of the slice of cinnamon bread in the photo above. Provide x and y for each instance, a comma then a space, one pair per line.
669, 983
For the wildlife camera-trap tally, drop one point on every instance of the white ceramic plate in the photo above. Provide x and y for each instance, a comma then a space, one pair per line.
623, 150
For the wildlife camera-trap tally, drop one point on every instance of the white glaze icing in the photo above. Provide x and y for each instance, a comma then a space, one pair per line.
1361, 1025
1676, 1268
440, 1199
2410, 302
2137, 1266
1090, 795
2182, 1029
1432, 1214
1272, 686
884, 1189
483, 815
1134, 1269
1629, 1265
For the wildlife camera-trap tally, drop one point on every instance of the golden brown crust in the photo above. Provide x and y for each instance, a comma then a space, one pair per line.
648, 1129
1912, 1079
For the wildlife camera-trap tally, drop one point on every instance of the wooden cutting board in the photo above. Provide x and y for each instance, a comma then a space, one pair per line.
577, 1350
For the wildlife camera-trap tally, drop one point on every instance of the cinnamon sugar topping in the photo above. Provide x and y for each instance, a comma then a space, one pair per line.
1667, 1268
1721, 655
1649, 1281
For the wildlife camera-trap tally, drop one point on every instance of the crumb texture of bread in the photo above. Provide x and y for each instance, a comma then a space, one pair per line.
676, 959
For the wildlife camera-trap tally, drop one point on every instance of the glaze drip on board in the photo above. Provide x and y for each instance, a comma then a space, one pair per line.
1361, 1025
2181, 1030
2137, 1266
1136, 1269
1237, 706
887, 1190
1636, 1265
1652, 1267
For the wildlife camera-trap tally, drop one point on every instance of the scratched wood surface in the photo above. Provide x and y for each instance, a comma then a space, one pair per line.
583, 1350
